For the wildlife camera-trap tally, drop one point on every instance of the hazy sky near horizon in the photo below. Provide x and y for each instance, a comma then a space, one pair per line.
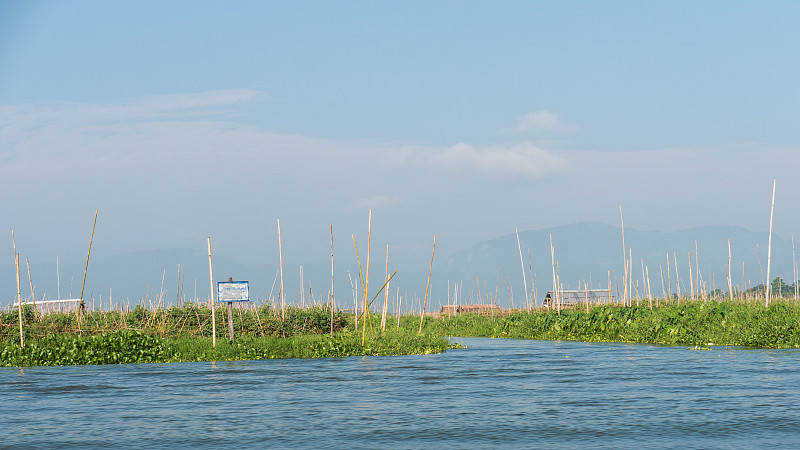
185, 119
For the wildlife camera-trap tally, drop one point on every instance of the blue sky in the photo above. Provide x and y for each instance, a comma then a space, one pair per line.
461, 119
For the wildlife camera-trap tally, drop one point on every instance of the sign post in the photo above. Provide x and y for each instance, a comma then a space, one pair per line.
232, 291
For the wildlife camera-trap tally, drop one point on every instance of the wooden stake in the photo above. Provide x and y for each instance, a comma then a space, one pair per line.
427, 288
213, 304
769, 248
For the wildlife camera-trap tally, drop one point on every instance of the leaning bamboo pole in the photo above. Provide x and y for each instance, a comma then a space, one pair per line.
521, 263
769, 248
427, 288
86, 269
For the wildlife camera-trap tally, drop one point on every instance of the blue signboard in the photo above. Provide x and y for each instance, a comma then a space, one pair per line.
233, 291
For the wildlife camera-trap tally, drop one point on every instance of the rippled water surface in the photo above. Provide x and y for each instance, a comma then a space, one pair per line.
495, 393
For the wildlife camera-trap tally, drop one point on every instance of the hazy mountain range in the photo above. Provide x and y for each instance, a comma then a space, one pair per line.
585, 253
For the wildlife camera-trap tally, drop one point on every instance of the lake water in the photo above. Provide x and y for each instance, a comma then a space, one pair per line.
497, 393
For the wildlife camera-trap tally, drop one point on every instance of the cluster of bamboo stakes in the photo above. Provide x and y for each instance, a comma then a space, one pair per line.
362, 305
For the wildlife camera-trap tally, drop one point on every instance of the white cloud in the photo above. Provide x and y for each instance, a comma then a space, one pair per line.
518, 160
542, 121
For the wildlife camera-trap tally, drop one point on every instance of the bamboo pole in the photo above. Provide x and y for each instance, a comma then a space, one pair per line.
385, 293
58, 280
649, 292
553, 263
282, 293
730, 272
700, 292
399, 306
534, 300
521, 263
624, 258
630, 276
761, 269
794, 270
86, 269
332, 299
644, 279
691, 278
669, 277
19, 302
586, 296
427, 288
366, 281
30, 281
741, 286
677, 276
769, 248
211, 288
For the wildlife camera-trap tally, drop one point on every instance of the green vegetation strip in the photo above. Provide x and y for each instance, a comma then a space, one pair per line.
189, 320
693, 323
128, 346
